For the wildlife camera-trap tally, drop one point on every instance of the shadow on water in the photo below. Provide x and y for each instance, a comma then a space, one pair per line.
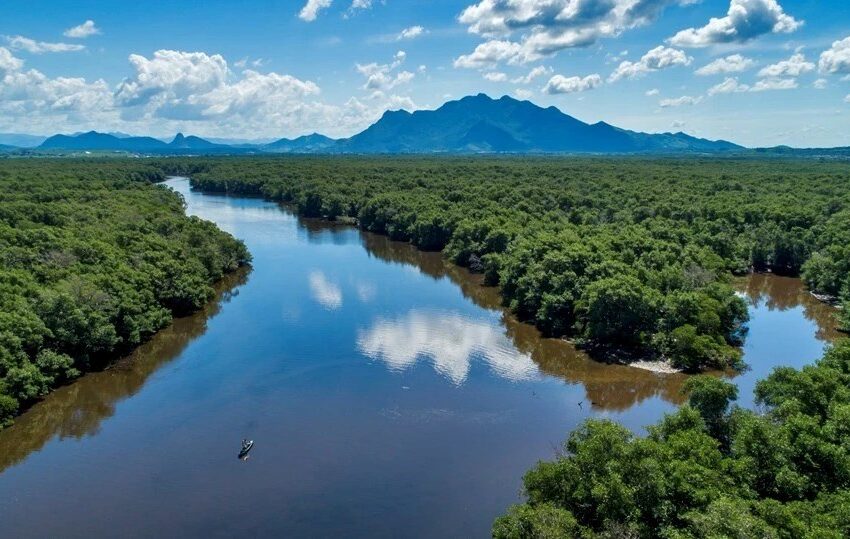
77, 410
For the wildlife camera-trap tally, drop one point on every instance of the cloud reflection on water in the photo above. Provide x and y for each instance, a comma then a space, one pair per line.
449, 340
325, 292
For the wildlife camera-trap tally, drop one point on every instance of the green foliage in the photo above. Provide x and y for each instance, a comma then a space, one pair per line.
631, 254
8, 409
708, 470
619, 310
93, 260
543, 521
711, 398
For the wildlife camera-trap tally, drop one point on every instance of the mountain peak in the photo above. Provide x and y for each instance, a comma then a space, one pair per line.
474, 123
394, 113
479, 123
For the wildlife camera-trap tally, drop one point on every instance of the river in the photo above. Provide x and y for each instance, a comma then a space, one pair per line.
386, 391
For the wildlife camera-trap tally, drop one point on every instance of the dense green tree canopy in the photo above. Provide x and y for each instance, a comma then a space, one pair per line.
628, 255
708, 470
94, 258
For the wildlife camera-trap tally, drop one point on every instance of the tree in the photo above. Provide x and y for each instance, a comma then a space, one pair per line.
620, 310
711, 397
8, 409
544, 521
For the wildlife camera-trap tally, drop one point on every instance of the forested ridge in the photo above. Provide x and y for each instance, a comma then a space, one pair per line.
626, 255
94, 259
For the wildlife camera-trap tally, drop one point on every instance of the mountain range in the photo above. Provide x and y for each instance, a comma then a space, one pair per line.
473, 124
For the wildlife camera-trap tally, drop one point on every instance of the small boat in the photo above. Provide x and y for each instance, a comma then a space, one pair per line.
247, 445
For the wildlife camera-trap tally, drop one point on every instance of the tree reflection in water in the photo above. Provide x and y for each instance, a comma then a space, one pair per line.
78, 409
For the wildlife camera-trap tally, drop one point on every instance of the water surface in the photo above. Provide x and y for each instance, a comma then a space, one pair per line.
387, 392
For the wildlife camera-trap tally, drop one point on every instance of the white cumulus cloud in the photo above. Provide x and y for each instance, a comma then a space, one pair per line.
745, 20
8, 62
734, 63
774, 84
836, 60
82, 31
545, 27
560, 84
312, 8
491, 52
171, 76
728, 86
658, 58
31, 96
792, 67
538, 71
411, 33
384, 76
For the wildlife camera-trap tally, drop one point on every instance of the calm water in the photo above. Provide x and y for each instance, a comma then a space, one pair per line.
387, 393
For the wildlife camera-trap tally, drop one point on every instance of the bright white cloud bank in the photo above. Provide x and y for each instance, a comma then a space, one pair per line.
654, 60
745, 20
191, 91
545, 27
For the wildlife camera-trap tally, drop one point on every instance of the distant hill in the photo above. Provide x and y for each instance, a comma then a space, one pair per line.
20, 140
117, 134
94, 141
482, 124
8, 148
191, 142
314, 143
787, 151
473, 124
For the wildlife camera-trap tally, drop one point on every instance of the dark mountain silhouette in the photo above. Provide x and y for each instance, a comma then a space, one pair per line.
482, 124
192, 142
93, 140
314, 143
473, 124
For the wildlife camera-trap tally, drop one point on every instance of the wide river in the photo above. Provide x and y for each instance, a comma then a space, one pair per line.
386, 391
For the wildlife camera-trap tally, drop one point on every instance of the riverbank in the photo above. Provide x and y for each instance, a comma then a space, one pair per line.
366, 361
97, 260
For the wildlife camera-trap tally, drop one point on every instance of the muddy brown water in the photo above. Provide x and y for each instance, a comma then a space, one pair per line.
387, 392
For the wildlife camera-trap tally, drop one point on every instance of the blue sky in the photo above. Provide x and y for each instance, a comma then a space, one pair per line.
758, 72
